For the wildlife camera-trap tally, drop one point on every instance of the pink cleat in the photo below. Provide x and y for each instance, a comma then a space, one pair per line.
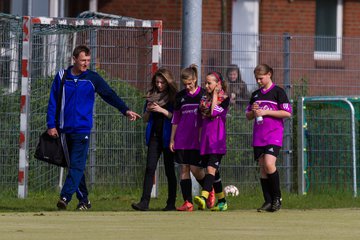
186, 207
210, 201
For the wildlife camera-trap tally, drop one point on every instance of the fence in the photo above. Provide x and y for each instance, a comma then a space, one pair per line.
328, 144
116, 153
124, 57
10, 73
297, 68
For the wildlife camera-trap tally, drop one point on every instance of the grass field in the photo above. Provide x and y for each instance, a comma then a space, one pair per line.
237, 224
106, 199
314, 216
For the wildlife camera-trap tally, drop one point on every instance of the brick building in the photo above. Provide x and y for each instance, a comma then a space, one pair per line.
274, 16
324, 63
324, 34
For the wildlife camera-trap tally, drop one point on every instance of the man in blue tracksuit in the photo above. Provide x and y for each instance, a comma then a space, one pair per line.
76, 120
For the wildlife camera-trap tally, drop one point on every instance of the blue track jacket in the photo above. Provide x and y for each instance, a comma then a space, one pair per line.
76, 115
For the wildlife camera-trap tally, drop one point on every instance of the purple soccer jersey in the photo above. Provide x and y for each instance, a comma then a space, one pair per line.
185, 116
272, 129
213, 132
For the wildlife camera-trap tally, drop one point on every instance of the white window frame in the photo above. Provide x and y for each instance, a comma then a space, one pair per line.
336, 55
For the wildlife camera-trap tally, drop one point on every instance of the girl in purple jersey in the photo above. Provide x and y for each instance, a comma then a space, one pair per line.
268, 105
213, 107
184, 136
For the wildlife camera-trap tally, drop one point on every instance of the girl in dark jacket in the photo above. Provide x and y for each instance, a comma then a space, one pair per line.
158, 112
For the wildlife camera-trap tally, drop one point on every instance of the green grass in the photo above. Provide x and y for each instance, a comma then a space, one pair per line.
104, 199
312, 216
238, 224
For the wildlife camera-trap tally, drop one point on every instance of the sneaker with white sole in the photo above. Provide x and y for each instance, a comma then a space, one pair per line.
83, 206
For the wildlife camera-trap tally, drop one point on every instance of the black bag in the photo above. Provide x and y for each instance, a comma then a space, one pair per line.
50, 150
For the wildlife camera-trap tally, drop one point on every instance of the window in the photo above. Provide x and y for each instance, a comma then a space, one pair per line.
329, 21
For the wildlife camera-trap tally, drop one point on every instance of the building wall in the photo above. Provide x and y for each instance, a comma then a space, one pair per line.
324, 77
351, 18
298, 17
276, 16
74, 7
169, 11
279, 16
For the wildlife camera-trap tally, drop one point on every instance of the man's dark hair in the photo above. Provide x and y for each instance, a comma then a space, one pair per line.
79, 49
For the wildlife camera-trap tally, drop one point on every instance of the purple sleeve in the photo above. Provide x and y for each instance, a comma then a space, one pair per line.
284, 103
286, 107
219, 109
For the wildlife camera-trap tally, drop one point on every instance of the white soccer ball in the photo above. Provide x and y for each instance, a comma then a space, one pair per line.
231, 190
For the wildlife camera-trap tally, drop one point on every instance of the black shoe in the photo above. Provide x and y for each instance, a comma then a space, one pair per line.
139, 206
62, 204
276, 204
169, 208
83, 206
266, 207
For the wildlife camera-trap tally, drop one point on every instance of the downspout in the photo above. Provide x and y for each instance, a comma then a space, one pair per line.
224, 45
223, 15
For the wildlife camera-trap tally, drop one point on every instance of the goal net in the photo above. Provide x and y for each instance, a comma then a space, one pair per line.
126, 52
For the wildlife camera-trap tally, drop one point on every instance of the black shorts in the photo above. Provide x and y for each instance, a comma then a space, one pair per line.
213, 160
268, 149
189, 157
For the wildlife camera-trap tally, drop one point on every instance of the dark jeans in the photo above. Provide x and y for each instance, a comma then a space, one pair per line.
155, 149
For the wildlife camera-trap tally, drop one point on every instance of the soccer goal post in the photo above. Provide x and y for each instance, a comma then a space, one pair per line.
126, 52
328, 138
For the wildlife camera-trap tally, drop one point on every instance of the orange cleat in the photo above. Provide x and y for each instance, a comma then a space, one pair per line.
187, 207
210, 201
